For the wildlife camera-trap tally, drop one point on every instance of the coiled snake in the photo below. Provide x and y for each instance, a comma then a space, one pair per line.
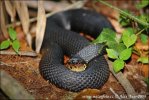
61, 38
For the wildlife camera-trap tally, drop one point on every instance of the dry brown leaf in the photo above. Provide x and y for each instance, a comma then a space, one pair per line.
41, 21
77, 4
145, 70
41, 24
10, 10
140, 46
2, 20
26, 18
23, 13
88, 94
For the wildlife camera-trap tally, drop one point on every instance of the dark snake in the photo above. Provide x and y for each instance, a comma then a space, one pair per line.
62, 38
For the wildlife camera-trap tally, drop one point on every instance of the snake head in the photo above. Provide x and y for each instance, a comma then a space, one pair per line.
76, 60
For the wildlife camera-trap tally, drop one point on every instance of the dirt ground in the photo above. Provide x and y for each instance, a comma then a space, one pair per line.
26, 71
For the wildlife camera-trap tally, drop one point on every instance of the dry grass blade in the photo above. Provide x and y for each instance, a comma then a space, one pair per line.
41, 24
26, 21
77, 4
2, 20
10, 10
22, 11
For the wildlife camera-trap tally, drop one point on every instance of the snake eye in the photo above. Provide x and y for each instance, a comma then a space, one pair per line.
76, 60
73, 61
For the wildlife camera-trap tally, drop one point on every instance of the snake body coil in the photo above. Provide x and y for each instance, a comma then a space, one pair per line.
61, 38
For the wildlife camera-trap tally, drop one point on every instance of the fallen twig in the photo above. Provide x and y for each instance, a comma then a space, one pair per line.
28, 64
12, 88
123, 81
48, 5
115, 94
21, 53
77, 4
2, 63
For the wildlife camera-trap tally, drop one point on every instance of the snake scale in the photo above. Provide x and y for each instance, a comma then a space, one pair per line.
62, 38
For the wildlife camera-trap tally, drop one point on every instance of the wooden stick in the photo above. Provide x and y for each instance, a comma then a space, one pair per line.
123, 81
48, 5
12, 88
77, 4
115, 94
21, 53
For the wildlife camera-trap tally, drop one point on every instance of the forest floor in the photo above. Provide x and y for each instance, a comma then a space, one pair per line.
25, 69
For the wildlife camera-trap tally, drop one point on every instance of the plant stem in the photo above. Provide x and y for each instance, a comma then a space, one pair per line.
124, 13
141, 31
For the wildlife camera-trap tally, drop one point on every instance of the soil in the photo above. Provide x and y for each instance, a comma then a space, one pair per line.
25, 70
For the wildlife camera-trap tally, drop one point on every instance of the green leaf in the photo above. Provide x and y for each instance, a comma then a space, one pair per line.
129, 31
112, 53
125, 54
128, 37
106, 35
124, 20
142, 4
5, 44
118, 47
112, 45
144, 38
118, 65
144, 60
12, 33
16, 45
144, 17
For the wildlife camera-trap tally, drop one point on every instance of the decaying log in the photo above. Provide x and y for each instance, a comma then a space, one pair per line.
12, 88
